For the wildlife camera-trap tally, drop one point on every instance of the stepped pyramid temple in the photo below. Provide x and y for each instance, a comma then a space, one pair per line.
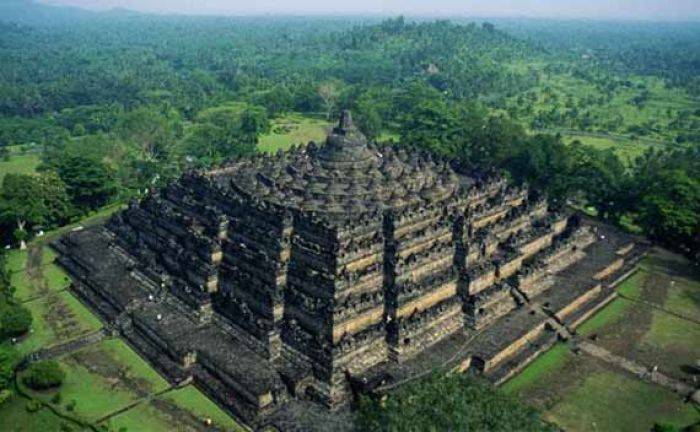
285, 285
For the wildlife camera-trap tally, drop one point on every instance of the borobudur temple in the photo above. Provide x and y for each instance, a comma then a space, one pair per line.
289, 283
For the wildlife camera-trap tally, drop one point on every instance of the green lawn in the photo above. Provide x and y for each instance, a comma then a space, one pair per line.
14, 417
185, 405
145, 417
192, 400
134, 366
632, 286
24, 288
19, 164
16, 260
57, 318
668, 332
48, 255
580, 393
552, 360
102, 379
626, 149
293, 130
53, 279
94, 396
607, 401
610, 314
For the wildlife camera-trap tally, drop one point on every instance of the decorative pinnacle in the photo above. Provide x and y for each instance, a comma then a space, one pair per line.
345, 122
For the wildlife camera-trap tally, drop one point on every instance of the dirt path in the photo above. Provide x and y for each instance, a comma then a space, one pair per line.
35, 272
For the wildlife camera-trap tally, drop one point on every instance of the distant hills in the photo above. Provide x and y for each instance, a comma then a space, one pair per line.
32, 13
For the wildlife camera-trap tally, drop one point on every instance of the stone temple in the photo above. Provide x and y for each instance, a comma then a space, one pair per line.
284, 285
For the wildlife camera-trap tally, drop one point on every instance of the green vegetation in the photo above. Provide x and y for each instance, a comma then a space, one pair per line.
19, 164
547, 363
630, 405
626, 149
149, 106
14, 321
181, 407
57, 318
15, 417
98, 380
194, 402
144, 417
472, 405
292, 130
47, 278
668, 332
43, 375
16, 260
572, 389
611, 314
132, 365
632, 286
101, 379
636, 108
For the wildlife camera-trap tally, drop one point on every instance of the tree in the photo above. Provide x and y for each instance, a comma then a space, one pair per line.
154, 129
670, 209
472, 405
54, 193
9, 359
43, 375
21, 204
15, 320
329, 92
373, 109
225, 131
89, 182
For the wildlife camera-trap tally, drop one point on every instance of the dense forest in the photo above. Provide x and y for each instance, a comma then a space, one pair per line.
602, 116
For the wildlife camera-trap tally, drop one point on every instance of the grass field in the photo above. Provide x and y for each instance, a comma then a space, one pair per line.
186, 407
14, 417
16, 260
552, 360
51, 278
580, 393
293, 130
102, 379
192, 400
626, 149
56, 318
19, 164
611, 401
611, 314
563, 101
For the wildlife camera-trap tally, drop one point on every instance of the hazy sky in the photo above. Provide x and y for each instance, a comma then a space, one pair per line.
626, 9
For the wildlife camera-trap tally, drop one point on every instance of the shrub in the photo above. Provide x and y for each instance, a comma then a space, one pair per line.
663, 427
5, 395
457, 402
43, 375
14, 320
70, 406
33, 406
56, 399
9, 358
